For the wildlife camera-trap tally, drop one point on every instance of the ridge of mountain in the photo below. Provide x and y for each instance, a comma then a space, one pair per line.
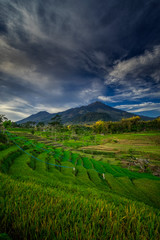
37, 117
84, 114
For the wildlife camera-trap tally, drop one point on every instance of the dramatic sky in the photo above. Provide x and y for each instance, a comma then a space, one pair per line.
58, 54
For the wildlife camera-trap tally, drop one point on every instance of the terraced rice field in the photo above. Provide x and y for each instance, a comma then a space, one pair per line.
53, 193
136, 151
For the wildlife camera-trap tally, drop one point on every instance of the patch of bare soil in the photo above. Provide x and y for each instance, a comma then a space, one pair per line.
155, 170
136, 142
100, 148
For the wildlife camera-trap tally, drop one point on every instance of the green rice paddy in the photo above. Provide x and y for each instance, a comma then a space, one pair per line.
58, 193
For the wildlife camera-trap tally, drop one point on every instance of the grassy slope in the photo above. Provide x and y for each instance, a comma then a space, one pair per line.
51, 203
31, 211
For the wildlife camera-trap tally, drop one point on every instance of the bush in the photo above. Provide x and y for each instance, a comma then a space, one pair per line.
32, 131
3, 147
3, 138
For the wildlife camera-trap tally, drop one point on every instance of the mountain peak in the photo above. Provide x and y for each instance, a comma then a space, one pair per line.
42, 112
85, 114
97, 106
97, 103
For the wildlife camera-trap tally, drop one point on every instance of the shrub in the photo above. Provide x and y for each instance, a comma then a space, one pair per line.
3, 138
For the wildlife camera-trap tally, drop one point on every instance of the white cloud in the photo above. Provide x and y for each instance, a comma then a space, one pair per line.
41, 107
133, 93
18, 108
131, 78
15, 109
142, 107
16, 63
136, 67
25, 17
107, 99
92, 92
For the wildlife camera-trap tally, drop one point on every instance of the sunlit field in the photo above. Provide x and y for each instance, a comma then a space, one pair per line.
53, 188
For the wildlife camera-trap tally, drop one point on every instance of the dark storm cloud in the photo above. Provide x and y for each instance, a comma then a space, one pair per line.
60, 54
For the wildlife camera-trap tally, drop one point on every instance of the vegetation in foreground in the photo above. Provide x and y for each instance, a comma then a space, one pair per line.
32, 210
94, 198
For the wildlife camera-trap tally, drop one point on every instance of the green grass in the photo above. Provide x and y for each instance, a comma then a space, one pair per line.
150, 188
87, 163
41, 166
34, 212
99, 182
98, 166
41, 201
7, 151
74, 158
9, 160
68, 170
79, 162
66, 156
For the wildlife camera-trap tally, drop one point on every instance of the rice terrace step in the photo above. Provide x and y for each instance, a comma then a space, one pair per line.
48, 184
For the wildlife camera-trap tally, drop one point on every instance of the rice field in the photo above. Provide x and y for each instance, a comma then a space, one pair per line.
50, 192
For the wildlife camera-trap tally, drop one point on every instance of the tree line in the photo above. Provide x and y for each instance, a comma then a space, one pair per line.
133, 124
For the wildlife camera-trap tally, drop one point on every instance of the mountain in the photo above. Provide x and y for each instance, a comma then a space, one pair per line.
38, 117
85, 114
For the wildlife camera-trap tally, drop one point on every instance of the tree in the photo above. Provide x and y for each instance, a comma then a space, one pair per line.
2, 119
130, 124
33, 131
14, 124
3, 138
7, 124
56, 124
99, 126
40, 124
28, 124
56, 121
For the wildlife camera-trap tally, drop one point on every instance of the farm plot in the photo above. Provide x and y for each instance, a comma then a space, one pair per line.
45, 187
